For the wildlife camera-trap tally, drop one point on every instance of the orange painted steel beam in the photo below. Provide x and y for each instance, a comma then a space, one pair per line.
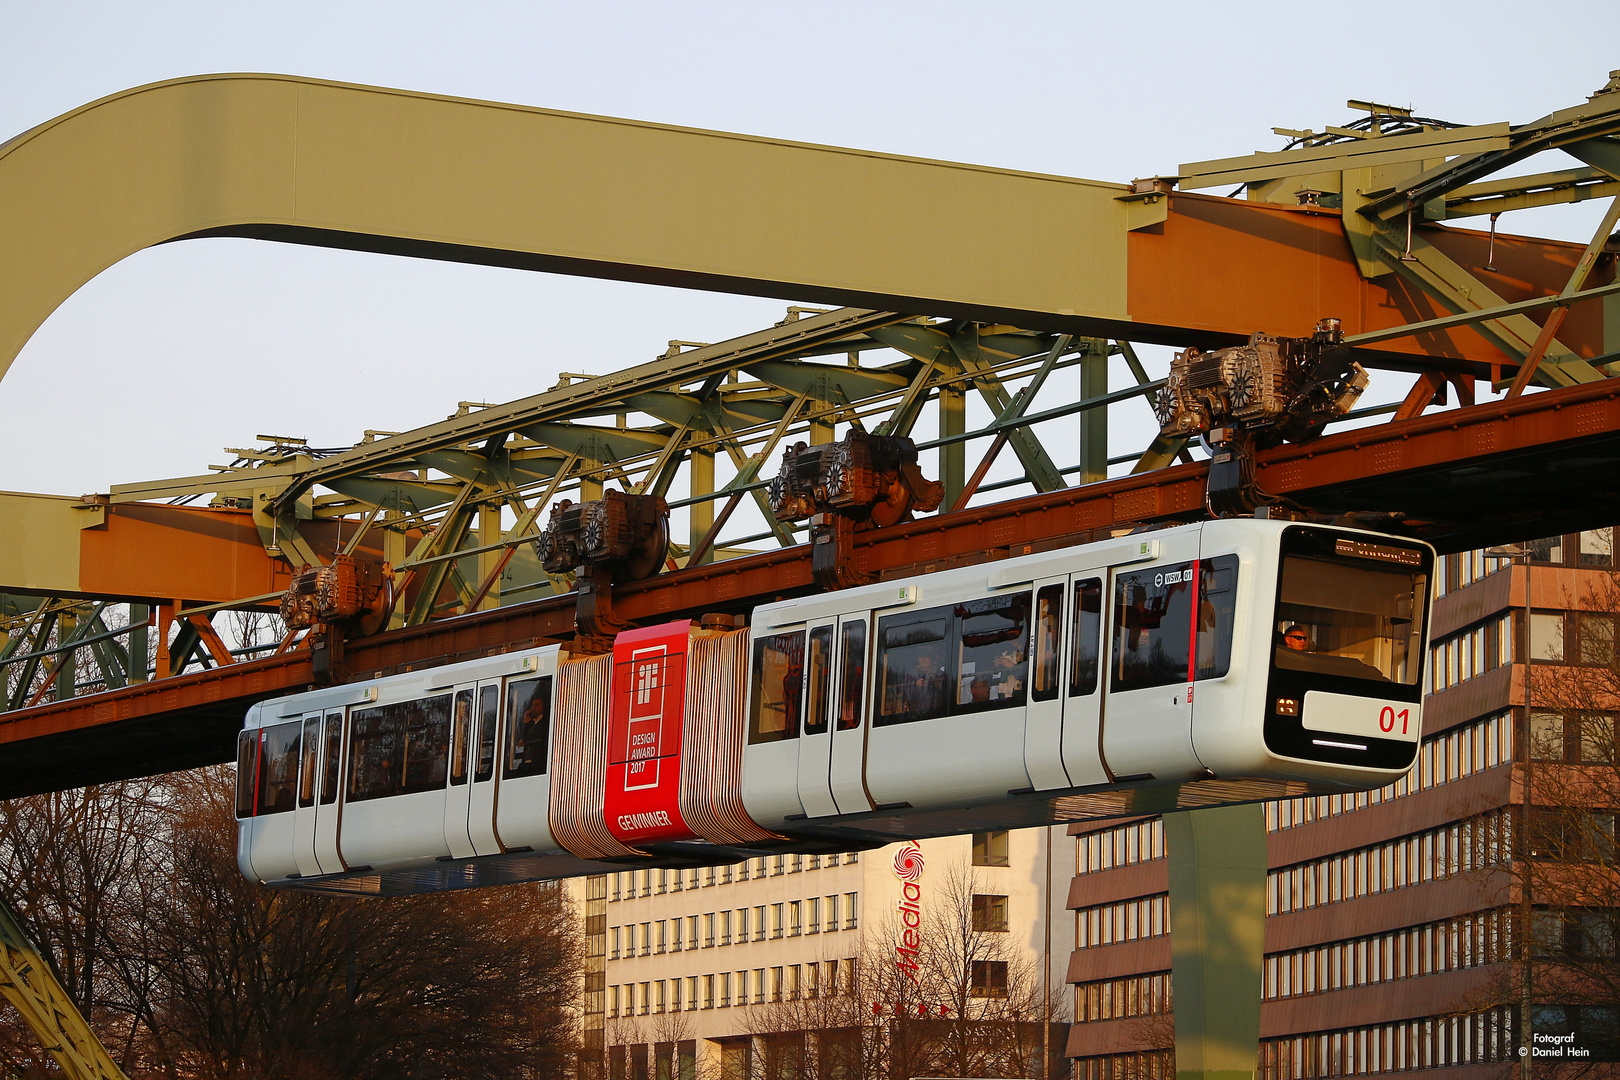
1279, 269
1443, 470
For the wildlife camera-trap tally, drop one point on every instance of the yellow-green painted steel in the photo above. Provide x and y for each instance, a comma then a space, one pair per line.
338, 165
1217, 861
39, 536
27, 981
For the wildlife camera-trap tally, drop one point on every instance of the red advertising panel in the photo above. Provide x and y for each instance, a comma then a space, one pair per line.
642, 798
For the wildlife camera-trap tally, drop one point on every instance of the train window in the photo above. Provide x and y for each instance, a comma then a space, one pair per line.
460, 733
1354, 610
778, 687
993, 660
312, 754
399, 749
334, 747
1217, 613
815, 713
247, 771
1084, 646
914, 650
528, 709
853, 676
489, 712
278, 767
1153, 631
1048, 624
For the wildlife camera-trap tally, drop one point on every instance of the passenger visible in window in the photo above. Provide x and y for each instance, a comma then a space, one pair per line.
925, 689
1297, 638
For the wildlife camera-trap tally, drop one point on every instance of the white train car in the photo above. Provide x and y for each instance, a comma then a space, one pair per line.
1219, 662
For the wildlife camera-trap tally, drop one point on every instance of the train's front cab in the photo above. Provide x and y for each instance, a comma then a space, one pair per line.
1328, 630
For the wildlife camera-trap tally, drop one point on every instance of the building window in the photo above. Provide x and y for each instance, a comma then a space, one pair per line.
1597, 639
779, 866
1546, 636
759, 986
795, 916
776, 983
990, 848
989, 913
776, 920
613, 944
613, 1001
742, 925
691, 992
663, 882
1597, 548
725, 989
832, 913
692, 931
660, 984
852, 857
794, 977
675, 933
813, 916
1549, 549
646, 998
851, 910
646, 939
725, 927
661, 931
988, 979
759, 923
615, 876
709, 927
708, 991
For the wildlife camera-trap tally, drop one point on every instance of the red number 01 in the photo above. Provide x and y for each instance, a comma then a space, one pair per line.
1386, 719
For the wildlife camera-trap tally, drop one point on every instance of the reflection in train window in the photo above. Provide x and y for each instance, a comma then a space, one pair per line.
278, 767
247, 772
312, 753
489, 712
1085, 646
1359, 618
994, 657
778, 687
1048, 624
959, 659
914, 652
815, 713
330, 767
460, 733
399, 749
1153, 630
853, 676
528, 709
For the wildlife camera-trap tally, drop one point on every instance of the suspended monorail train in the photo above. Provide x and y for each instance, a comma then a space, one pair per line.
1220, 662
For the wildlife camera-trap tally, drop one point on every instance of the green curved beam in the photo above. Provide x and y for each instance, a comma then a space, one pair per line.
338, 165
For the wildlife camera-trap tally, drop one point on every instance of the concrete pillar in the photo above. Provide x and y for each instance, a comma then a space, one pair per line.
1217, 940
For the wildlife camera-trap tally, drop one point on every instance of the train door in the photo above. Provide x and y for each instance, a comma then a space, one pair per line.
481, 798
1082, 687
305, 810
1043, 717
1147, 726
327, 809
847, 766
463, 758
815, 739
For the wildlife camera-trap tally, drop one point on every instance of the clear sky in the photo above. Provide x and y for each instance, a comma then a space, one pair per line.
176, 352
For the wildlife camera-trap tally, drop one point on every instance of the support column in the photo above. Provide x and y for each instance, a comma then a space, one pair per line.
1217, 941
952, 456
700, 516
489, 532
67, 671
1094, 422
138, 615
165, 621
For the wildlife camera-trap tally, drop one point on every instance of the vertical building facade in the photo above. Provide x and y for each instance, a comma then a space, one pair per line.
719, 972
1393, 915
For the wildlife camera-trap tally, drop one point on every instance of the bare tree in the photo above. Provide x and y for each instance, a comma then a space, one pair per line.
973, 1006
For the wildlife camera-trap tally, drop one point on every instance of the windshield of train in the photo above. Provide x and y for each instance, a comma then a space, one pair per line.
1353, 609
